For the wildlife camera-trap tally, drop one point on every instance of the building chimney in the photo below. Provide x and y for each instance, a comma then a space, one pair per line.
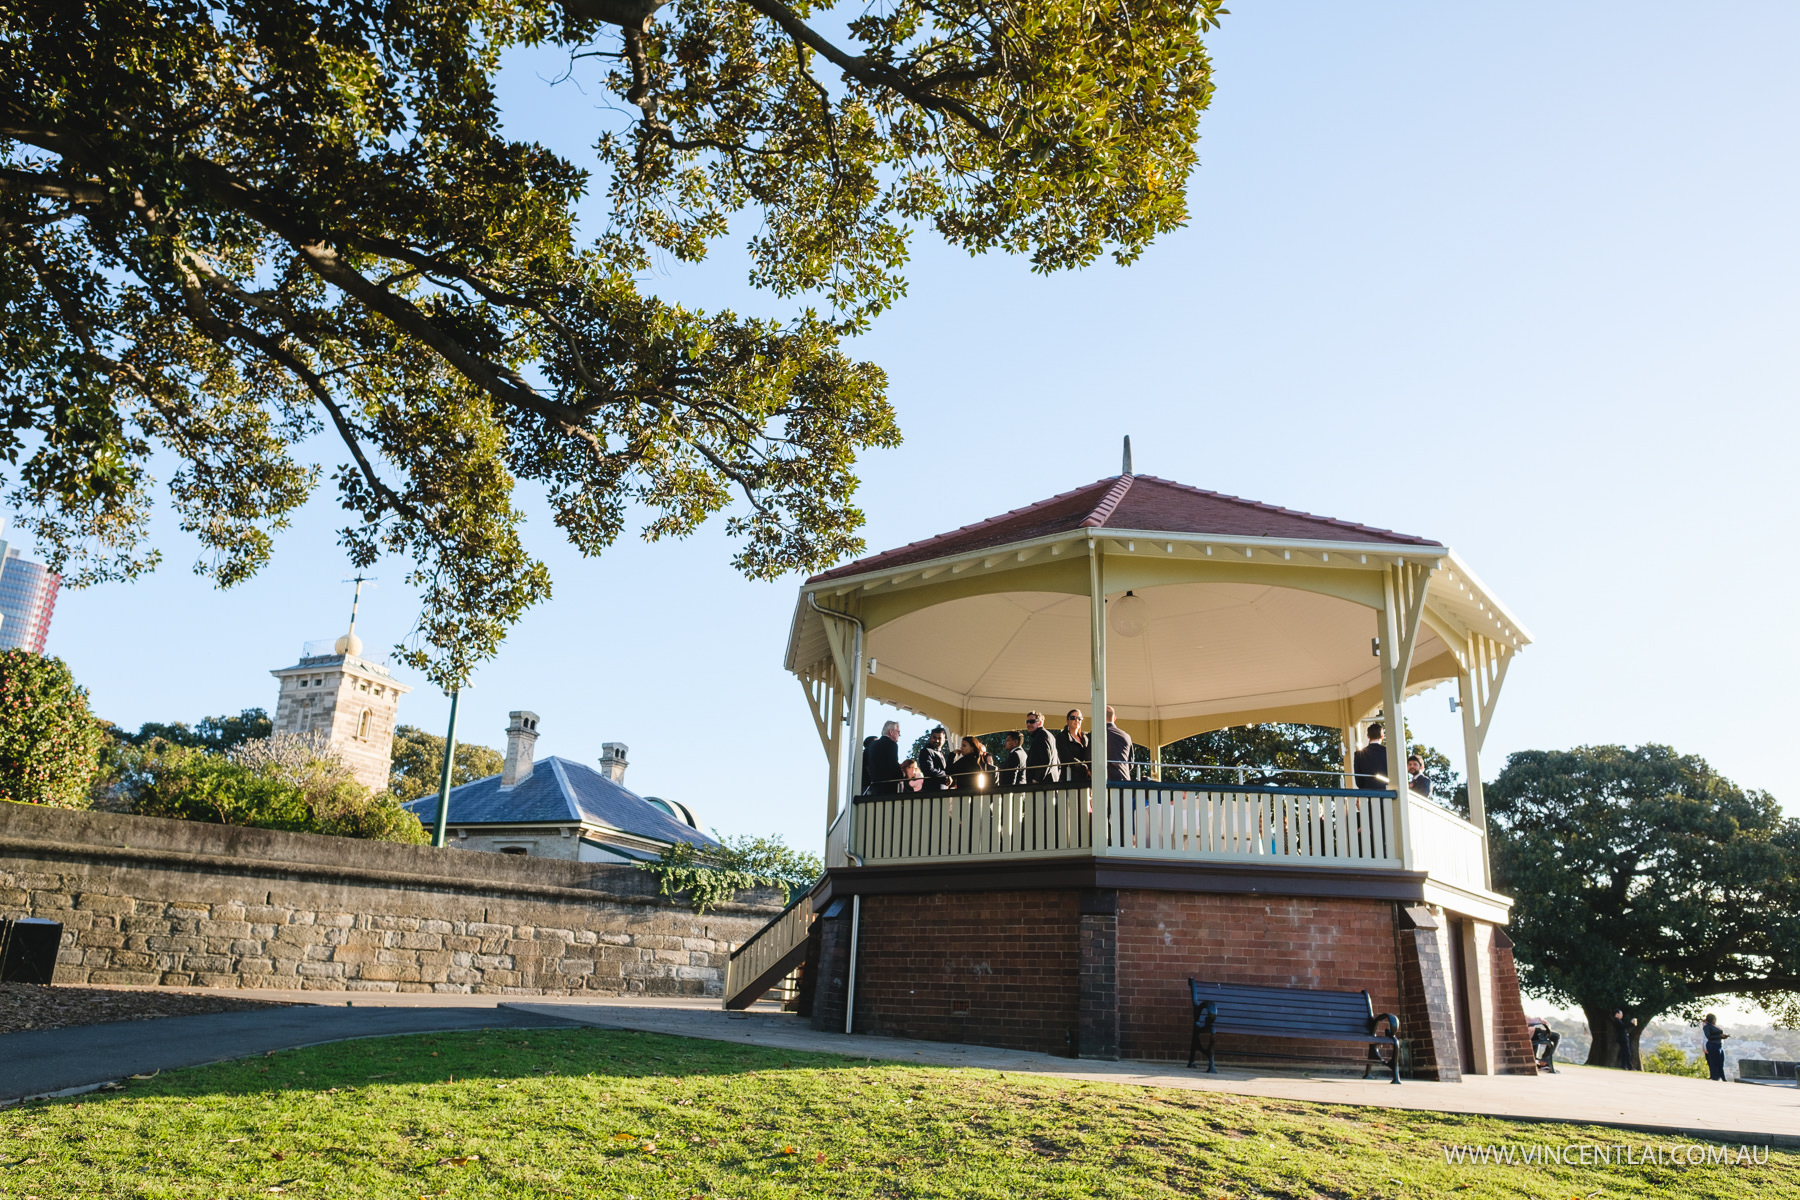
612, 761
521, 736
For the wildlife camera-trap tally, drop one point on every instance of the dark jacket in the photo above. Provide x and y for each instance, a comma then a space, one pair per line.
1369, 762
1419, 784
1118, 752
935, 764
1041, 762
973, 772
1622, 1037
1013, 769
1073, 753
1714, 1037
881, 766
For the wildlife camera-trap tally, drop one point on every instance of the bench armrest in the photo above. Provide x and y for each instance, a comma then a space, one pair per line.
1206, 1012
1393, 1023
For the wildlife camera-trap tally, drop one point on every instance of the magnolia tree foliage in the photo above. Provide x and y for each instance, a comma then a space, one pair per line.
1644, 880
49, 742
227, 225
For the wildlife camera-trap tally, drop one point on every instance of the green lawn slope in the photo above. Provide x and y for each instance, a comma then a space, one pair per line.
631, 1116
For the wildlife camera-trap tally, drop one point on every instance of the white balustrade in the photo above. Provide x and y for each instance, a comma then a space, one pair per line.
1314, 827
1446, 846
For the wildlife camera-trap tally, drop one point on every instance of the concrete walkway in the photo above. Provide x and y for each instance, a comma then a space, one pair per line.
1664, 1105
40, 1062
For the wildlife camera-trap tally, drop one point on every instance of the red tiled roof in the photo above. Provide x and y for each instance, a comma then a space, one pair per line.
1140, 503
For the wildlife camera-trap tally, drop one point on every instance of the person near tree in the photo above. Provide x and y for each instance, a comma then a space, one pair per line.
1622, 1036
1715, 1047
1012, 764
1118, 749
1371, 763
1072, 750
934, 761
1041, 763
973, 769
881, 761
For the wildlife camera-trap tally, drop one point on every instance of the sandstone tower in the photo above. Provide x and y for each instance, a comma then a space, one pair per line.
353, 701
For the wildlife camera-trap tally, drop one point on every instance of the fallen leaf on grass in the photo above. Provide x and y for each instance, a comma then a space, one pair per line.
461, 1160
280, 1157
649, 1147
625, 1137
821, 1157
789, 1150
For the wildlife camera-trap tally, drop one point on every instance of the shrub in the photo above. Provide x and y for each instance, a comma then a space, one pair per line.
1670, 1059
711, 877
289, 781
49, 741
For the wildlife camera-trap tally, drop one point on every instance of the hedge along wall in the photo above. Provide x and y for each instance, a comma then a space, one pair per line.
180, 903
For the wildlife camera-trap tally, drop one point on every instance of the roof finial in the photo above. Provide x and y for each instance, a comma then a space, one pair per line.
1126, 469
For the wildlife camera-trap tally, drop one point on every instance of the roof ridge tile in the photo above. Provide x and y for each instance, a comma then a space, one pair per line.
1109, 502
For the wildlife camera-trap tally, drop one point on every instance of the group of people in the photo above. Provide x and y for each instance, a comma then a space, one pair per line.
1712, 1037
1370, 765
1033, 757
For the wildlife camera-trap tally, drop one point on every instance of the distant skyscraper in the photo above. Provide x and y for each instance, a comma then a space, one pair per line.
27, 598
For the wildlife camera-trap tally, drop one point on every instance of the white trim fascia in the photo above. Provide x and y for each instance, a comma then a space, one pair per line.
1384, 550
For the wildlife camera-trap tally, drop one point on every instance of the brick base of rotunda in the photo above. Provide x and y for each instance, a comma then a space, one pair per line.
1102, 973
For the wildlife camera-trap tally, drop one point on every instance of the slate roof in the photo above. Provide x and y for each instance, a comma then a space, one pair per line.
1134, 502
558, 790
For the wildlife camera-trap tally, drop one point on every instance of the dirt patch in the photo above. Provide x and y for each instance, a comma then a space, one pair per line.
27, 1006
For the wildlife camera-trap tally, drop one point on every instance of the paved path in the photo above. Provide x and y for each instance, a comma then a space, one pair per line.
42, 1061
1665, 1105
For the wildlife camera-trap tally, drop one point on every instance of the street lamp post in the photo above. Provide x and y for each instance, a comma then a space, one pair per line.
443, 807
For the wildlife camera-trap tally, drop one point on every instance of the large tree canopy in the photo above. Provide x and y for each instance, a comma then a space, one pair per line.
227, 225
1644, 880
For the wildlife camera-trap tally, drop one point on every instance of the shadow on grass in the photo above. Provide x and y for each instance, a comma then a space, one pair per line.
495, 1056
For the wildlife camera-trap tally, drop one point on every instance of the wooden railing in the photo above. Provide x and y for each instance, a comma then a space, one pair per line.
1447, 846
944, 826
1326, 827
771, 953
1150, 820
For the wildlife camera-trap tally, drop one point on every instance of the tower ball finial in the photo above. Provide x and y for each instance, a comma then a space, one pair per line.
1126, 468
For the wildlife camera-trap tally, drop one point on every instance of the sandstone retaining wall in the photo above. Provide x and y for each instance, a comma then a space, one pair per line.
181, 903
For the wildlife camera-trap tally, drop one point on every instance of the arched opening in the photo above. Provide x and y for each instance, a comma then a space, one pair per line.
362, 726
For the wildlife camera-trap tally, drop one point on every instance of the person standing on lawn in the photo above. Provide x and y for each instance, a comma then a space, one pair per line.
1715, 1047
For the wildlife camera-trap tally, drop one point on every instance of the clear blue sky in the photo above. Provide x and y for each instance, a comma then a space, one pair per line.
1521, 278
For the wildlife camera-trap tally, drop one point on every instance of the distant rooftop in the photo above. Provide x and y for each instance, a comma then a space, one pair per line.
559, 789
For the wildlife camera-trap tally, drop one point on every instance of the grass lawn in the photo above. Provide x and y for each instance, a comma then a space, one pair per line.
633, 1116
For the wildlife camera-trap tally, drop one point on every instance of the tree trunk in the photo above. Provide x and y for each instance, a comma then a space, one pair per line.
1603, 1046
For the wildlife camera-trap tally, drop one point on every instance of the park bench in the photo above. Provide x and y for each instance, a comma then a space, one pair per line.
1274, 1012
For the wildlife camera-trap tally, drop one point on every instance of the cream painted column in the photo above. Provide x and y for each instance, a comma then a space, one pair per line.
859, 693
1393, 717
1100, 805
1478, 978
1472, 739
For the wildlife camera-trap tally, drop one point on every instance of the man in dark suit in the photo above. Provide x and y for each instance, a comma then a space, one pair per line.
881, 762
1371, 763
1041, 763
1118, 749
1013, 770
